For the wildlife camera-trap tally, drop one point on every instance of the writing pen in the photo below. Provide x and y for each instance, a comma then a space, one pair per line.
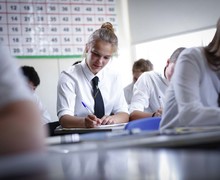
89, 110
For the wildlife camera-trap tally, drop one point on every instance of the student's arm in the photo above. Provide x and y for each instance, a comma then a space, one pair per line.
140, 98
120, 117
68, 121
140, 114
20, 128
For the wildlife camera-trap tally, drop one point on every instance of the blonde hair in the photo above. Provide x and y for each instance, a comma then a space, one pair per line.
105, 33
212, 51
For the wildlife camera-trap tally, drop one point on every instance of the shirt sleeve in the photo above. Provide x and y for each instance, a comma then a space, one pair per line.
66, 96
141, 94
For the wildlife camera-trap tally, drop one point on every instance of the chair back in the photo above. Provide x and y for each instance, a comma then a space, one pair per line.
51, 127
144, 124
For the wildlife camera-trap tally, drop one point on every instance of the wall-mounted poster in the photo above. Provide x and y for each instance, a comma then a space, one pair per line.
52, 28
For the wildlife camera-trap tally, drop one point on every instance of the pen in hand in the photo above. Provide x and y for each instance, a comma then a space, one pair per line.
95, 121
89, 110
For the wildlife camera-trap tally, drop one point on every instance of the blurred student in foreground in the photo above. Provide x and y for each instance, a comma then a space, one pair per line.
20, 126
139, 66
149, 90
193, 96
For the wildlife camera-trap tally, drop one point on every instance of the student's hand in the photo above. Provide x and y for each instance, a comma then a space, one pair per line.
158, 113
107, 120
92, 121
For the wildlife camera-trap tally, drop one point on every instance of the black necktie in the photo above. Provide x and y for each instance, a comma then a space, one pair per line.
99, 105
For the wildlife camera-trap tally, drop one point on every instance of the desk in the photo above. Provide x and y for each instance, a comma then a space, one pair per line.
123, 159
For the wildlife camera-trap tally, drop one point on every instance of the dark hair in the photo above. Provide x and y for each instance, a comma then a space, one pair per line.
143, 65
105, 33
212, 51
77, 62
173, 58
176, 54
30, 73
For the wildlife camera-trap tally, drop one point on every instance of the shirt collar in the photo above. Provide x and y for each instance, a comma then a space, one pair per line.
89, 75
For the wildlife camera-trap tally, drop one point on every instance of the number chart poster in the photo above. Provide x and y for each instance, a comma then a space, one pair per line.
52, 28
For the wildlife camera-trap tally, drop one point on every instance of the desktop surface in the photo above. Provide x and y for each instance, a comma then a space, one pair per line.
122, 163
185, 156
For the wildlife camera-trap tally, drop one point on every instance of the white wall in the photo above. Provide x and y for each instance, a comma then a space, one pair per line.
49, 69
159, 51
156, 19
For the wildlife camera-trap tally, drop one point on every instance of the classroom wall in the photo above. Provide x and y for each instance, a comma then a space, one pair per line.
158, 27
156, 19
167, 46
49, 69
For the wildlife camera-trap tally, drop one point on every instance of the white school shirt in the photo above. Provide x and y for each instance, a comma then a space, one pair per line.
148, 92
192, 97
12, 83
128, 91
75, 87
45, 116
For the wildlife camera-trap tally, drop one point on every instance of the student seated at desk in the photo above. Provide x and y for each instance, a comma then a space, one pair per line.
20, 127
33, 81
193, 97
149, 90
139, 66
90, 93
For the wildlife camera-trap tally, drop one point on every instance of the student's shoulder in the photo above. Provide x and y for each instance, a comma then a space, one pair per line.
149, 78
192, 55
149, 74
71, 70
192, 51
70, 74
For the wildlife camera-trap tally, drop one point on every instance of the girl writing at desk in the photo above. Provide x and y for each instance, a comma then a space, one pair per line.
90, 93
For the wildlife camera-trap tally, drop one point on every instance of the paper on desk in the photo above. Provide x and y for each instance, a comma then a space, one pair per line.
109, 126
122, 125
